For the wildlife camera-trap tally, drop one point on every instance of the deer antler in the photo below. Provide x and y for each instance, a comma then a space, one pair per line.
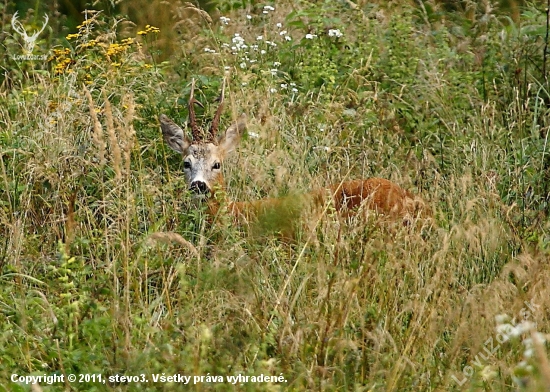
46, 19
216, 119
17, 26
195, 130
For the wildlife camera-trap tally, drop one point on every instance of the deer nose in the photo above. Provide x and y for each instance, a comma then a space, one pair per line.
199, 187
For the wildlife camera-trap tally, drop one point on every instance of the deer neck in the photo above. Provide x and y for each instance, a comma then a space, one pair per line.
219, 199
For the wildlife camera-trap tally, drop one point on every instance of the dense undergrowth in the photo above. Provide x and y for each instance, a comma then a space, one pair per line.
94, 280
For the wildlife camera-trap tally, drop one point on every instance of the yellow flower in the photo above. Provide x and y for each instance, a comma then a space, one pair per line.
149, 29
152, 29
63, 66
115, 64
84, 23
61, 52
71, 36
115, 49
89, 44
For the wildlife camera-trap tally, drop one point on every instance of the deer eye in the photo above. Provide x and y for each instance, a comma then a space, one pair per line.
187, 165
216, 166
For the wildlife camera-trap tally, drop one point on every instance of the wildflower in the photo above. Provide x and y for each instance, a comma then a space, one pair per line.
227, 68
310, 36
115, 49
263, 51
61, 52
288, 37
272, 90
141, 32
292, 84
116, 64
71, 36
276, 64
89, 44
84, 23
152, 29
268, 8
284, 32
279, 25
488, 373
260, 37
294, 90
239, 42
273, 72
127, 41
225, 20
248, 17
529, 344
242, 65
63, 66
335, 33
147, 66
502, 318
284, 86
253, 135
208, 50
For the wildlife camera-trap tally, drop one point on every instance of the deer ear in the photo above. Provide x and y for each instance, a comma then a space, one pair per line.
173, 135
232, 136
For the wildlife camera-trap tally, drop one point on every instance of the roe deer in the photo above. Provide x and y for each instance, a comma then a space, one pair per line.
203, 156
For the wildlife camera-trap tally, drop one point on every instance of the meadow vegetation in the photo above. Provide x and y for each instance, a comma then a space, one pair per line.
107, 266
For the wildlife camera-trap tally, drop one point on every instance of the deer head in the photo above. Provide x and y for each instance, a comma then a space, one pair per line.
203, 155
29, 40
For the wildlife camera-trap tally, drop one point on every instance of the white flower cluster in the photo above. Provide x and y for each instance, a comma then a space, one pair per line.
238, 42
529, 344
225, 20
293, 85
285, 34
510, 330
253, 51
268, 8
335, 33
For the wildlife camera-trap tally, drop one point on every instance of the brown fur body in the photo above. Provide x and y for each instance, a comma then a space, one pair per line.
372, 194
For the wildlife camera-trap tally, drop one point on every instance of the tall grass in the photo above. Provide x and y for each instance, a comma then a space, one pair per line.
108, 266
